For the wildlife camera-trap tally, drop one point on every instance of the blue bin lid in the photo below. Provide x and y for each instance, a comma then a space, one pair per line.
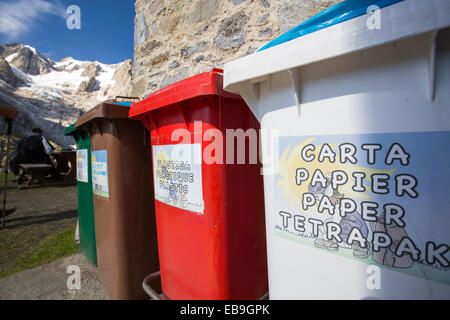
338, 13
126, 104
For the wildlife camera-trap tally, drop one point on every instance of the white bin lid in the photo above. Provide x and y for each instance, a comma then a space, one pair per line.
339, 30
338, 13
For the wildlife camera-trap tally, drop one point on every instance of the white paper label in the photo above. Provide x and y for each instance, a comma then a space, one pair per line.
82, 165
381, 199
178, 176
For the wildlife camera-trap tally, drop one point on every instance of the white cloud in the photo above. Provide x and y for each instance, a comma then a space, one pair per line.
21, 16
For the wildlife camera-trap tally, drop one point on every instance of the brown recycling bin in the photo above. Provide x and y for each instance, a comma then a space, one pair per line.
122, 182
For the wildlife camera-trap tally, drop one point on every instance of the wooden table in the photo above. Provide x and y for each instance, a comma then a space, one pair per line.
33, 172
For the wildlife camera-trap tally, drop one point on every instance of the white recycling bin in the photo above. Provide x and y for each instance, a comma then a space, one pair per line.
355, 134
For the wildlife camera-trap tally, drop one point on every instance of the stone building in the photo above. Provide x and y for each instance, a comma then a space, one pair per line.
178, 39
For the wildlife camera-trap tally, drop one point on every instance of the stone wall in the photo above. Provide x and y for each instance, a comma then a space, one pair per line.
177, 39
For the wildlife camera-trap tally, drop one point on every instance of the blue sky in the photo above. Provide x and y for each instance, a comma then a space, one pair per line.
106, 34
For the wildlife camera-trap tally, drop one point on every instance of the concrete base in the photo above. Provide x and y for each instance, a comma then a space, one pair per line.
49, 282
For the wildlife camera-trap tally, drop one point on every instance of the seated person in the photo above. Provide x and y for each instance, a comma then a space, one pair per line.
34, 149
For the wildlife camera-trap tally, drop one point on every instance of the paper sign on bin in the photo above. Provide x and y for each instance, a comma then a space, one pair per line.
364, 197
100, 173
178, 176
82, 165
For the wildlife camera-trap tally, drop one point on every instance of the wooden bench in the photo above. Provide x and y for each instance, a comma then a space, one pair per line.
33, 172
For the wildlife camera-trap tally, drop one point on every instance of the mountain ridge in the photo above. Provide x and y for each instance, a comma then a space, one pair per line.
53, 94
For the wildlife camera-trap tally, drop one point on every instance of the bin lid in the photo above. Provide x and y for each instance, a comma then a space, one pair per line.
108, 109
338, 13
204, 84
70, 130
127, 104
400, 20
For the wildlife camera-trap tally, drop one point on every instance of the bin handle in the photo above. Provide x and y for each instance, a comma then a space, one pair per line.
265, 297
149, 290
127, 98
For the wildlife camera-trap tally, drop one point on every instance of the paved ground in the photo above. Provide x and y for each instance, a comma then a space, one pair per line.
49, 282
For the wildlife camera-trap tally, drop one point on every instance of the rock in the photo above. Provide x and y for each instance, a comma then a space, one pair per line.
157, 74
250, 51
262, 19
264, 3
149, 46
69, 67
190, 50
154, 27
203, 34
202, 30
199, 58
156, 7
26, 59
8, 49
203, 10
231, 31
180, 75
160, 10
88, 85
60, 103
139, 88
141, 29
122, 77
265, 32
158, 59
91, 71
168, 23
173, 65
8, 76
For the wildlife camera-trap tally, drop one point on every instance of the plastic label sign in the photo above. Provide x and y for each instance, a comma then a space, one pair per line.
177, 172
377, 198
82, 165
100, 173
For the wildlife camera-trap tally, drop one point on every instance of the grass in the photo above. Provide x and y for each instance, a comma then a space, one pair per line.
39, 213
11, 177
50, 249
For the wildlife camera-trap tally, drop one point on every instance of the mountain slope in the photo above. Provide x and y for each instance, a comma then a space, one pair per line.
52, 95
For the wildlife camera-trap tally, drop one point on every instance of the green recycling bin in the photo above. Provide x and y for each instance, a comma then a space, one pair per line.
85, 193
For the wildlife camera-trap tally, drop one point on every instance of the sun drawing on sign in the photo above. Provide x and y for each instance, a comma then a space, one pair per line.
291, 160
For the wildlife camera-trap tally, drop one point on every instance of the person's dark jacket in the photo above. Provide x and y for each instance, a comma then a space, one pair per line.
29, 150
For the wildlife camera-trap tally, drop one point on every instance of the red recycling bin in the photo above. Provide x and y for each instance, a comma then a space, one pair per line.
209, 211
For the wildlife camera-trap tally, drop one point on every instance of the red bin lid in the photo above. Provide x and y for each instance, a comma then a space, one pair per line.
204, 84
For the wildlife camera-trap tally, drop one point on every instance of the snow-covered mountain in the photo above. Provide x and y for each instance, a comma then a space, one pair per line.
52, 95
